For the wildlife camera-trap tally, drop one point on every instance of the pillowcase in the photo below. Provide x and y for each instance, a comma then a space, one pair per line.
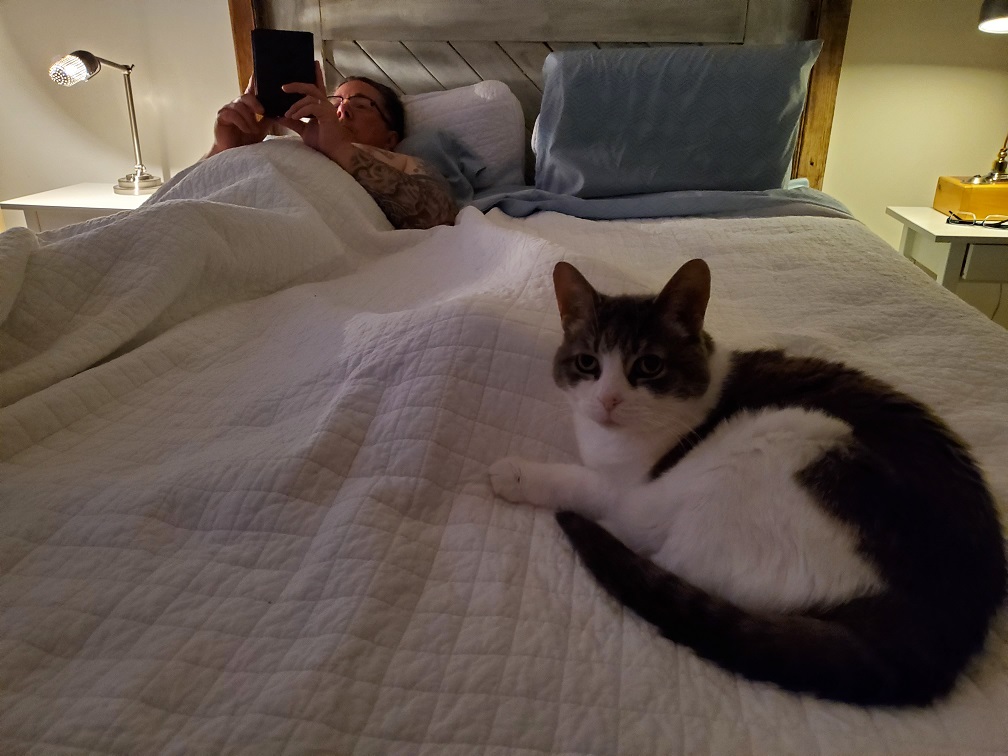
451, 158
637, 120
486, 117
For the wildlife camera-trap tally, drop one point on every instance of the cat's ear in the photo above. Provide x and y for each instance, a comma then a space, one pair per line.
684, 298
575, 296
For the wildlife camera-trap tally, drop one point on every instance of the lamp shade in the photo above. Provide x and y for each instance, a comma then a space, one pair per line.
994, 16
78, 66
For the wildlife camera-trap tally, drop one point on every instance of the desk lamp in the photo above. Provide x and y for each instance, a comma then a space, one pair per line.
81, 65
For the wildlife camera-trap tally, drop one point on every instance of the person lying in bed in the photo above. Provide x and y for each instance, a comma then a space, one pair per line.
357, 127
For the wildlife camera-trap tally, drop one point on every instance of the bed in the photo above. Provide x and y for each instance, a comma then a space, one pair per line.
245, 429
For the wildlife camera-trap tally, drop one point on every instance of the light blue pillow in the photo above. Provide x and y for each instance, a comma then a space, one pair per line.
621, 121
446, 154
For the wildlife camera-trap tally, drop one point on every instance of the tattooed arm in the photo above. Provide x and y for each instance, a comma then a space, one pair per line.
409, 191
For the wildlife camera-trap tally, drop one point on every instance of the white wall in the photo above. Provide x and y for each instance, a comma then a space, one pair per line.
922, 94
52, 136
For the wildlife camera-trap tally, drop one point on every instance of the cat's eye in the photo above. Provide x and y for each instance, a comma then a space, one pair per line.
649, 365
585, 363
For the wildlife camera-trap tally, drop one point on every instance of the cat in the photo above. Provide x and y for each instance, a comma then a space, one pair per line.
791, 519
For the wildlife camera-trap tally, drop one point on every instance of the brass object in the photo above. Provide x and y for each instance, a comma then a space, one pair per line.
999, 170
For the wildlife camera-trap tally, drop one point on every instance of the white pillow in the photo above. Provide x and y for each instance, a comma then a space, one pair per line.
486, 117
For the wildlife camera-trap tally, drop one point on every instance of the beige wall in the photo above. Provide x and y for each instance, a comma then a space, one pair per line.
922, 94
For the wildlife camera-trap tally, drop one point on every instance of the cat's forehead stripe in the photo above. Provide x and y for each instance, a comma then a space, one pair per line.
621, 320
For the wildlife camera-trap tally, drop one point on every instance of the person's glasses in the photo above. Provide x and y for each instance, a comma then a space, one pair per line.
965, 218
359, 103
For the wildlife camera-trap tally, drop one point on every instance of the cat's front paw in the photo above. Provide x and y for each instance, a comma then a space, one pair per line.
506, 479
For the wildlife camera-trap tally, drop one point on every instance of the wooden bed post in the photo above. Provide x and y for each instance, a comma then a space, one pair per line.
242, 24
813, 139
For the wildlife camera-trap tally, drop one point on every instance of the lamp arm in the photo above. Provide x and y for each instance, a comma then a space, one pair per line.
140, 181
133, 122
120, 66
127, 70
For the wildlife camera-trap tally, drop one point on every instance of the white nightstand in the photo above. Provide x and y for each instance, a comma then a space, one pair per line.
953, 252
71, 204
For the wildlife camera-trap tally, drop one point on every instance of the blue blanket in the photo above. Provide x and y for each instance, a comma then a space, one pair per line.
520, 202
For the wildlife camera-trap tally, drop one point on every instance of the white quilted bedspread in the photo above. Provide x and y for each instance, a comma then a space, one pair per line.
243, 498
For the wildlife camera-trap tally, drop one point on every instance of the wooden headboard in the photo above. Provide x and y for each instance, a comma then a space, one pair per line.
424, 45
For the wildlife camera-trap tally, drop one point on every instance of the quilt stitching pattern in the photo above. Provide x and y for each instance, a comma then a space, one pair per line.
256, 517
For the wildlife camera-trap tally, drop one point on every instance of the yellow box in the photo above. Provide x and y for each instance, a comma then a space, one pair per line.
957, 194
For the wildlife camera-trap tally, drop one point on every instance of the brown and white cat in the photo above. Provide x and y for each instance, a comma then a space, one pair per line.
793, 520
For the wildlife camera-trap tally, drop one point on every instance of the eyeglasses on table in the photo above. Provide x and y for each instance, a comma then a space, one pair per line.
965, 218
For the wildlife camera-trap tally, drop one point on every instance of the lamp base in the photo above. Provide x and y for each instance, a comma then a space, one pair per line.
991, 178
137, 183
959, 193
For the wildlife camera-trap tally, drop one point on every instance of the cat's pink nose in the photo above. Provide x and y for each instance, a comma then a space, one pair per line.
610, 401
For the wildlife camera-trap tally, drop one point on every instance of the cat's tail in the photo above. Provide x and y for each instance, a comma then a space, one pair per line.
869, 651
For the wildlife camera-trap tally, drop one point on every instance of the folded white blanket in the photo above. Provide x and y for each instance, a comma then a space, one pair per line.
245, 223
